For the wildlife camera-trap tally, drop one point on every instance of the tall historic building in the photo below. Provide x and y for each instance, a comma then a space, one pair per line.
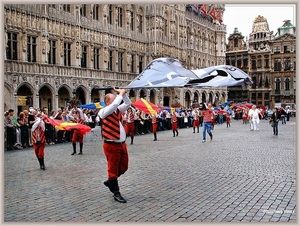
269, 59
58, 51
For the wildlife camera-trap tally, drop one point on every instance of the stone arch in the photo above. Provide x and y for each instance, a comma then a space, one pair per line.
44, 92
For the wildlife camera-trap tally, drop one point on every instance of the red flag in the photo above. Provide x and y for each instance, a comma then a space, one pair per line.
212, 13
62, 125
204, 9
219, 16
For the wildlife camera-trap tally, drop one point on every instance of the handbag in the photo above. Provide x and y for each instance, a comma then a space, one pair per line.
272, 123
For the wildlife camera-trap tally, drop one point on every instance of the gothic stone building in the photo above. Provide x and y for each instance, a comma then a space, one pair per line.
58, 51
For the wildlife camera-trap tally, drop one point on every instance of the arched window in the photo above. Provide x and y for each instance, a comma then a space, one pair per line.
287, 84
236, 42
277, 84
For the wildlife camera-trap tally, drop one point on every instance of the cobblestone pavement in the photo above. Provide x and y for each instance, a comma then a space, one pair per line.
239, 176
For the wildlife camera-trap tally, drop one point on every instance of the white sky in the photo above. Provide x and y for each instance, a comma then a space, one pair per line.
243, 15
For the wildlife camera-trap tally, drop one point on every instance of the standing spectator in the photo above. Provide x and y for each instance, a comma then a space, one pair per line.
228, 120
275, 119
195, 115
10, 132
39, 139
282, 115
174, 123
288, 114
208, 117
17, 130
114, 135
23, 129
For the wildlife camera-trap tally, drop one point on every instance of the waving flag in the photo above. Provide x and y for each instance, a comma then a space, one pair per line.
168, 72
212, 12
204, 9
94, 106
163, 72
63, 125
221, 75
146, 106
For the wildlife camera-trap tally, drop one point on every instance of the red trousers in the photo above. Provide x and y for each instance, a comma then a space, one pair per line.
77, 136
117, 159
196, 123
174, 126
154, 127
130, 129
39, 150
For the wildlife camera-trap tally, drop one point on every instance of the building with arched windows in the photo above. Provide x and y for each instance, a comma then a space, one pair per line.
58, 51
269, 59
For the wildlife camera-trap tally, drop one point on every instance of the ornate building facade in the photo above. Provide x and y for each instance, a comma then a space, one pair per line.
58, 51
269, 59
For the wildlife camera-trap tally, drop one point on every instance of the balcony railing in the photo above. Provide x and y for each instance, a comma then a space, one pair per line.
35, 69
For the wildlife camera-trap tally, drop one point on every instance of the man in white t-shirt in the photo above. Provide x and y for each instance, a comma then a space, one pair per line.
254, 118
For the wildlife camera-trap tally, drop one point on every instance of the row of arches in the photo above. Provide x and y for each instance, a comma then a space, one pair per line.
53, 98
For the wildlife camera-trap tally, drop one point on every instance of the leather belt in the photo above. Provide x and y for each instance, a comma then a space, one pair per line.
113, 142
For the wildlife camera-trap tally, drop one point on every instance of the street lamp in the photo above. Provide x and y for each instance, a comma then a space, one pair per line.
74, 92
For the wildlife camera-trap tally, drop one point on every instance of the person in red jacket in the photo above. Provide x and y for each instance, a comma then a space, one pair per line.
208, 119
39, 139
114, 136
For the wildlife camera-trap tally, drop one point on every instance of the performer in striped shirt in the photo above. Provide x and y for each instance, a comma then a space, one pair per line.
39, 139
154, 125
130, 123
114, 136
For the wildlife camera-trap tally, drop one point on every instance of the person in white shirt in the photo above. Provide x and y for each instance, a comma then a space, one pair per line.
254, 118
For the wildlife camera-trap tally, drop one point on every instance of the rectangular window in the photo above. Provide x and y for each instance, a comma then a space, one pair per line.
96, 12
140, 28
141, 68
31, 49
66, 7
67, 54
132, 21
277, 64
84, 57
110, 61
52, 6
267, 63
52, 52
253, 64
96, 58
276, 49
287, 64
133, 65
110, 14
12, 44
120, 62
286, 49
259, 63
83, 10
120, 17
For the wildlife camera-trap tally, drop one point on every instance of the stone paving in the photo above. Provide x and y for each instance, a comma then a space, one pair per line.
239, 176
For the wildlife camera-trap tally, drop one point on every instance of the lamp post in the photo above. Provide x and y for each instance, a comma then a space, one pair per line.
74, 93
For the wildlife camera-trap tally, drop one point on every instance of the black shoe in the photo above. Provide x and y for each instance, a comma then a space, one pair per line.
80, 153
118, 197
73, 153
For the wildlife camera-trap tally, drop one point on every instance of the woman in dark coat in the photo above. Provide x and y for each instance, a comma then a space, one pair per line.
275, 119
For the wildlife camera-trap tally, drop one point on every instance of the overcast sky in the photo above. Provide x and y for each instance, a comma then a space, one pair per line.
243, 15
